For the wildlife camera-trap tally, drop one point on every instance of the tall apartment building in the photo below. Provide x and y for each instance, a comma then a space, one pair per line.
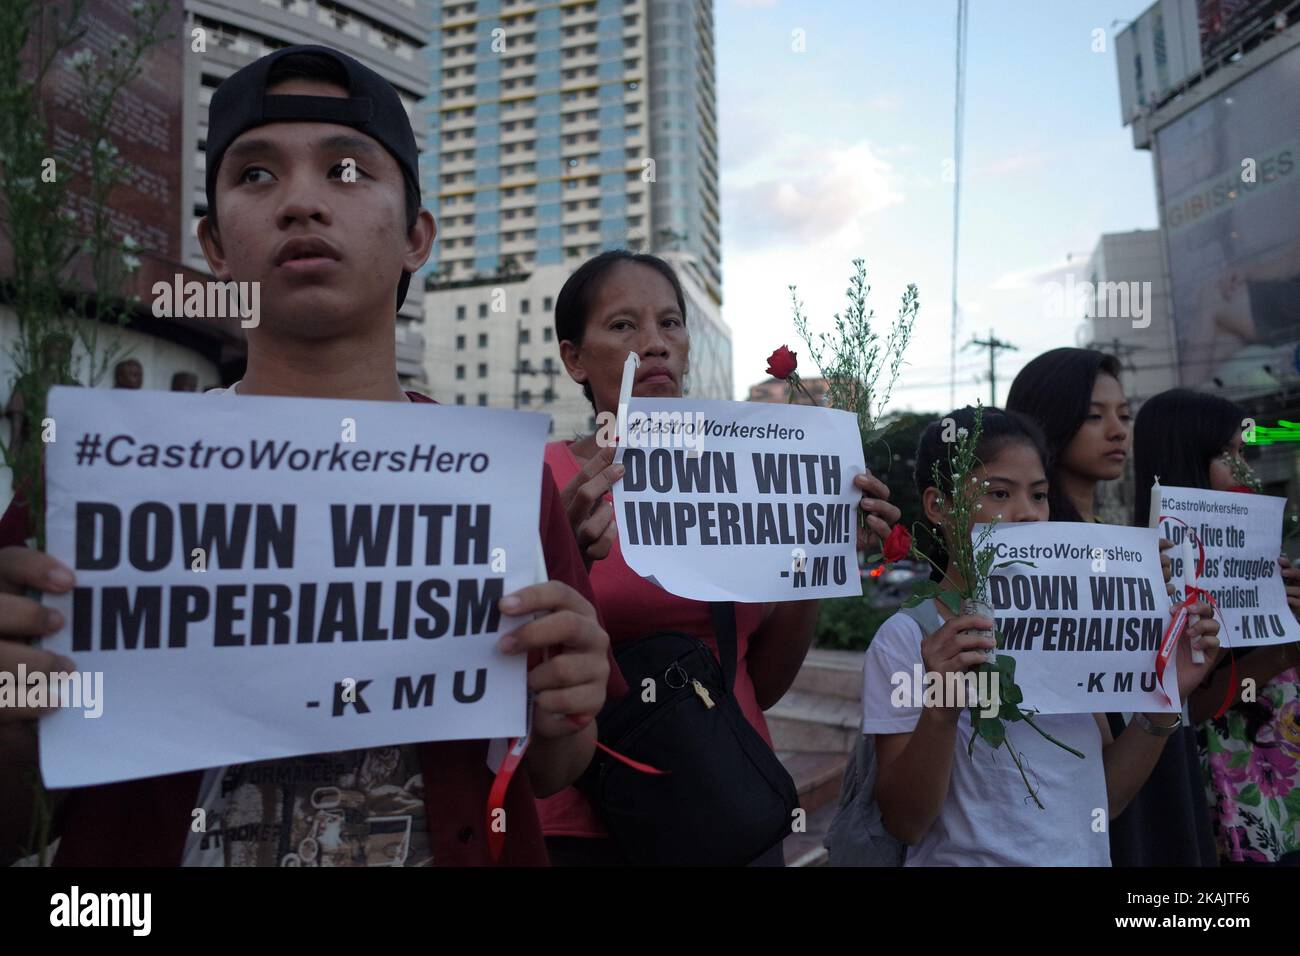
385, 35
560, 130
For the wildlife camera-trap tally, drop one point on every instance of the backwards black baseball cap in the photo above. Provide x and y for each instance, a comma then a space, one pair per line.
372, 106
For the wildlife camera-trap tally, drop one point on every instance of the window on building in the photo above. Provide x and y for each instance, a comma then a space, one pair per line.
548, 334
460, 343
525, 397
482, 369
460, 312
482, 340
547, 304
460, 399
523, 306
525, 336
482, 398
482, 310
460, 371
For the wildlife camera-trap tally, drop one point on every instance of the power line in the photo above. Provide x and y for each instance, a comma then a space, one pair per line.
959, 109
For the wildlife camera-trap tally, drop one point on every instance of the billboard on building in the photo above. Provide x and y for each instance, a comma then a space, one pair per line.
1230, 208
1156, 54
1224, 24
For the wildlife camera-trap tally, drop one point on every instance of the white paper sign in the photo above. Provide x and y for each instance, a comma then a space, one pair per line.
267, 577
1242, 538
740, 501
1085, 622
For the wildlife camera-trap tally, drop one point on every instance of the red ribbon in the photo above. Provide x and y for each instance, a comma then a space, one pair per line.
496, 831
634, 764
1178, 625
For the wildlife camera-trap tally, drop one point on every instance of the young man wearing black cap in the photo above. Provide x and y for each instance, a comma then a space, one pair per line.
313, 191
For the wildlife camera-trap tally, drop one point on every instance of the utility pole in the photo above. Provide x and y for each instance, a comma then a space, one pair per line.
523, 368
519, 326
994, 345
1123, 352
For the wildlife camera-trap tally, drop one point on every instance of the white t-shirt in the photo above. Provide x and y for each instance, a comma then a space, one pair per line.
988, 818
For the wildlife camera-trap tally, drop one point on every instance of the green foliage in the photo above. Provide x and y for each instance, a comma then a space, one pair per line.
53, 237
849, 623
893, 461
860, 369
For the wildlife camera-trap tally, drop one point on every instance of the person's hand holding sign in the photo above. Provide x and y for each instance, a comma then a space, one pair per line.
568, 686
590, 515
23, 619
881, 515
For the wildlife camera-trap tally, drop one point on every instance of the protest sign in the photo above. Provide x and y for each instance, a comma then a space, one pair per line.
1082, 610
1241, 537
740, 501
266, 577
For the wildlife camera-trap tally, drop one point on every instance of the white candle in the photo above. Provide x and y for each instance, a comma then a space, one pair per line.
1153, 520
1189, 579
630, 365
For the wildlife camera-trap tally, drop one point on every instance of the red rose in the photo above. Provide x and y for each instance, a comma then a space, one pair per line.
1242, 489
782, 363
898, 545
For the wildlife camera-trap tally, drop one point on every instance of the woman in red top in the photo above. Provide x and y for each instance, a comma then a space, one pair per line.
616, 303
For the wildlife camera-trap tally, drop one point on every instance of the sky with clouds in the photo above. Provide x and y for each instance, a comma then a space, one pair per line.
838, 152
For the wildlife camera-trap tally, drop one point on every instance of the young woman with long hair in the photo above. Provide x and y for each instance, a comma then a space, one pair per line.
1250, 756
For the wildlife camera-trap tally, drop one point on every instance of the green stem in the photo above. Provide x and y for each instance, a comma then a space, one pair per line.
1016, 760
1030, 721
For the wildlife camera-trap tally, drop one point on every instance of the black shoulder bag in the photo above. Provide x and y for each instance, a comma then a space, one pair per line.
726, 798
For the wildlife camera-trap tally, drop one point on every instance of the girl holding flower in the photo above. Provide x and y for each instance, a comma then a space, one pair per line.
954, 809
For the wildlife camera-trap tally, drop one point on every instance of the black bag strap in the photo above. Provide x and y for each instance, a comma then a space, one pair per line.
723, 614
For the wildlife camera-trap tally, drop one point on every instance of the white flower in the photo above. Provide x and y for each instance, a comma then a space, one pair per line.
986, 484
131, 262
962, 433
105, 147
79, 59
138, 8
998, 517
129, 243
